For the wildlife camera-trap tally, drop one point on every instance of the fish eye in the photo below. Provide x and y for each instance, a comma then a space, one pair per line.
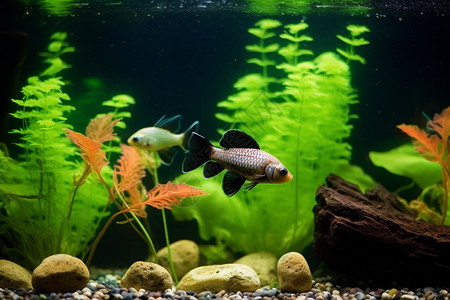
135, 139
283, 171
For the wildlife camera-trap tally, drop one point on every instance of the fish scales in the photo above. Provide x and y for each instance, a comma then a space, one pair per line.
240, 156
243, 161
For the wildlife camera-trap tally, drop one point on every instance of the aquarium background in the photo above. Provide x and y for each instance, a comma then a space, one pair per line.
184, 57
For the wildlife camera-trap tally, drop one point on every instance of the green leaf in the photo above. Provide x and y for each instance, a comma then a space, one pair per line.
123, 98
123, 114
353, 42
292, 50
295, 28
356, 30
59, 35
268, 23
406, 161
119, 101
261, 33
55, 46
224, 117
261, 63
259, 49
351, 56
299, 39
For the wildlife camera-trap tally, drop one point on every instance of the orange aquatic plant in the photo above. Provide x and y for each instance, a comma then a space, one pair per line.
161, 196
127, 177
435, 146
98, 131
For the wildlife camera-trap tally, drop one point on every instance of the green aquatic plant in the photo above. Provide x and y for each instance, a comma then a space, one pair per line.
117, 104
297, 107
354, 41
51, 202
43, 212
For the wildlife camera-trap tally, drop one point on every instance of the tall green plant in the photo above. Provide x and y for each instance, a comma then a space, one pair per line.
302, 117
45, 208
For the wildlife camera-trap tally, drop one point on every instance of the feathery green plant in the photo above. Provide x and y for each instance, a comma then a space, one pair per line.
302, 117
45, 210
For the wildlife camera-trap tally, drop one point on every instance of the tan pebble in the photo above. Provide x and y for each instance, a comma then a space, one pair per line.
221, 293
336, 292
148, 276
293, 272
60, 273
13, 275
94, 298
319, 297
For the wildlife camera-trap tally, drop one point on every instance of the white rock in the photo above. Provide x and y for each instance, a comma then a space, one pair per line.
214, 278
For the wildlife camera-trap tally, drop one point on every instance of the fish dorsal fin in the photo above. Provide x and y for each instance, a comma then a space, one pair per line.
238, 139
232, 183
171, 124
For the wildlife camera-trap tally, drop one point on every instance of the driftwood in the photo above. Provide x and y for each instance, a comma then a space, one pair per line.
373, 237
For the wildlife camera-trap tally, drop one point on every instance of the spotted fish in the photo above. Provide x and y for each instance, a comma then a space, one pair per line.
241, 157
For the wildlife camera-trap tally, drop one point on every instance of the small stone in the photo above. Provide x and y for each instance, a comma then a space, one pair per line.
60, 273
386, 296
185, 257
148, 276
293, 273
13, 275
265, 265
360, 296
214, 278
407, 297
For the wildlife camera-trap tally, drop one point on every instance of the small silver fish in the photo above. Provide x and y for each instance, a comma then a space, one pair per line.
162, 137
241, 157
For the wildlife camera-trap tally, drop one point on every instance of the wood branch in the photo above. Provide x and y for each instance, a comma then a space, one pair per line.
372, 236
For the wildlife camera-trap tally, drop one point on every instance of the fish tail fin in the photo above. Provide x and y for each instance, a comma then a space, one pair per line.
199, 152
187, 135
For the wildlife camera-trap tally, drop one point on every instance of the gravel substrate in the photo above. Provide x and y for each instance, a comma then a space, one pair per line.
108, 288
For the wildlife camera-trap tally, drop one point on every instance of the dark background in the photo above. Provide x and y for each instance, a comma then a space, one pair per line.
184, 61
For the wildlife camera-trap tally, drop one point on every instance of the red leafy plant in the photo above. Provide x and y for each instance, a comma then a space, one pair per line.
127, 178
434, 145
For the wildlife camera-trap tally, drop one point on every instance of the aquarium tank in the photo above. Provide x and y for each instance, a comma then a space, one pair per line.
358, 89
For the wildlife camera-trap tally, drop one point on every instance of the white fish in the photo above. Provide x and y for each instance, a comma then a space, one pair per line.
162, 137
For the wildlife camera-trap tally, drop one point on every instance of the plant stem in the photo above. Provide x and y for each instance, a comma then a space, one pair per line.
163, 213
144, 231
169, 253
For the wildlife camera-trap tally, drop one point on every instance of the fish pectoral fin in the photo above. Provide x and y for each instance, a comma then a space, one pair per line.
167, 155
250, 185
211, 169
238, 139
170, 124
232, 183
